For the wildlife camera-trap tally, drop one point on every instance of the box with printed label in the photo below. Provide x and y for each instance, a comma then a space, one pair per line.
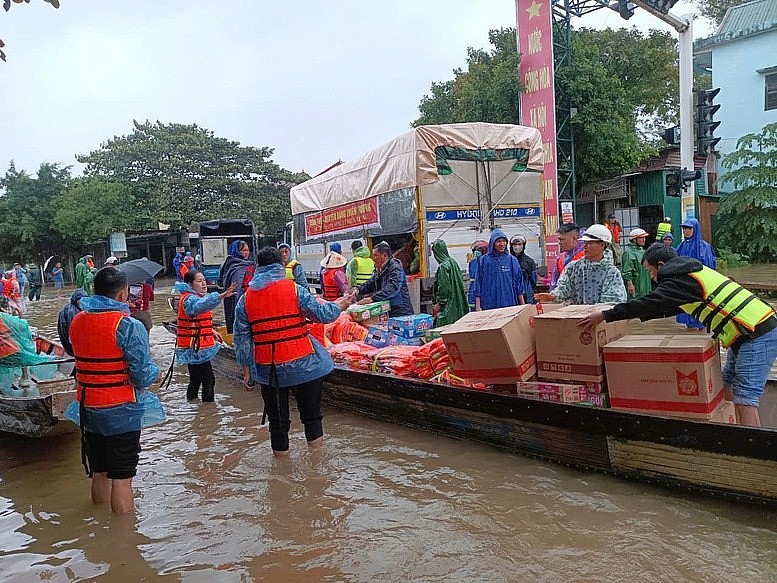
725, 413
567, 353
677, 375
412, 326
564, 393
397, 340
377, 336
433, 333
495, 346
360, 312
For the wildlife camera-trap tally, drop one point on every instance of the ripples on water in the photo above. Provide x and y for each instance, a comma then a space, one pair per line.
378, 503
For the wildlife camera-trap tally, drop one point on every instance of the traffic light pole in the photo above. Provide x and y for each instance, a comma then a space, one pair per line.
688, 201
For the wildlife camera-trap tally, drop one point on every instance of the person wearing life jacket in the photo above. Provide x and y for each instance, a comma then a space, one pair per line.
571, 249
273, 346
663, 228
293, 267
13, 294
188, 265
334, 283
237, 268
196, 342
113, 371
743, 323
361, 267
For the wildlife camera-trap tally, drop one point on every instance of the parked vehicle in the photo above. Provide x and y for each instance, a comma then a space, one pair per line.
457, 182
213, 239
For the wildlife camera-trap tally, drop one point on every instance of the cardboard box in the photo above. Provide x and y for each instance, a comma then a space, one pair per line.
377, 336
397, 340
677, 375
360, 313
495, 346
590, 387
564, 393
433, 333
725, 413
412, 326
381, 321
566, 353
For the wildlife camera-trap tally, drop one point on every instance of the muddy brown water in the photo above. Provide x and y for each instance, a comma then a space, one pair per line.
379, 503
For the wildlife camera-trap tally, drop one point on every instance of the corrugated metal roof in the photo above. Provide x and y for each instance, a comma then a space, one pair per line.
739, 19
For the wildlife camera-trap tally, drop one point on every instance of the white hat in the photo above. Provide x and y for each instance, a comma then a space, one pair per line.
333, 260
636, 233
111, 260
597, 233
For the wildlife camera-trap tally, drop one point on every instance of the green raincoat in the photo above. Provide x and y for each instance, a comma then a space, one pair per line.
633, 270
448, 287
81, 271
88, 284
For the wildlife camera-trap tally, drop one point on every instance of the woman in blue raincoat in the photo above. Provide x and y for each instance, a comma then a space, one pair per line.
238, 268
694, 246
196, 340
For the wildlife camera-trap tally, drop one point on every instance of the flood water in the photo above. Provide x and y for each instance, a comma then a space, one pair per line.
378, 503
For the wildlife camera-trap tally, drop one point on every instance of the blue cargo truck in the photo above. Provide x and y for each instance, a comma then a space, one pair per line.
213, 239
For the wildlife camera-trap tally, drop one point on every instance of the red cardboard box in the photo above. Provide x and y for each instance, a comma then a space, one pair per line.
677, 375
494, 346
565, 353
725, 413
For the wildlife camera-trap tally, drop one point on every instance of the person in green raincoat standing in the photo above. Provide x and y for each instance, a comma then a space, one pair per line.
81, 270
635, 277
448, 294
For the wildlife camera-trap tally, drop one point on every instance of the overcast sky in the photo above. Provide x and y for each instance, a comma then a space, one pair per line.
317, 81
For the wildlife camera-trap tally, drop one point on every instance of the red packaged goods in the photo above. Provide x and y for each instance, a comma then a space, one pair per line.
449, 378
334, 330
353, 332
395, 360
423, 364
677, 375
356, 355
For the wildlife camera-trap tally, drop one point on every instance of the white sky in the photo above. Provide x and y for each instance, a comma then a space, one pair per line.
314, 80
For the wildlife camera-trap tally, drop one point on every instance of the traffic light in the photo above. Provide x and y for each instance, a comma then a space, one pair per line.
625, 9
679, 180
662, 6
674, 183
705, 124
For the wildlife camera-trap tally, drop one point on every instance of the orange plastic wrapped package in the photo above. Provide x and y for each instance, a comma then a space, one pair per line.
448, 378
357, 355
396, 360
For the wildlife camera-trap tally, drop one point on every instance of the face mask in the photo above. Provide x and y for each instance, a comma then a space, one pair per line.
517, 247
477, 254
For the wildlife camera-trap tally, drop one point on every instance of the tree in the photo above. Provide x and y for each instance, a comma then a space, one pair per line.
749, 214
26, 211
92, 209
487, 91
181, 173
623, 84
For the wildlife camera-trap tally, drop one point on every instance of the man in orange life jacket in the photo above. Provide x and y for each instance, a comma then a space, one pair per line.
571, 247
746, 325
113, 370
274, 348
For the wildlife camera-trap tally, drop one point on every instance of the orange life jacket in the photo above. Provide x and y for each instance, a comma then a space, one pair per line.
560, 260
277, 324
197, 332
8, 344
7, 287
102, 372
330, 291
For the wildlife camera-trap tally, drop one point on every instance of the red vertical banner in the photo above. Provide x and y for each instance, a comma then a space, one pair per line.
534, 26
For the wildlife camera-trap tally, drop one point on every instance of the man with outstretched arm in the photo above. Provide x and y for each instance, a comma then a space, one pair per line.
746, 325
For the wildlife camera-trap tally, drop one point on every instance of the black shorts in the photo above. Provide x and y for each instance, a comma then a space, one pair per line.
117, 455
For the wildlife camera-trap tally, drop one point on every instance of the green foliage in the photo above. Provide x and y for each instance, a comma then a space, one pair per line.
715, 10
728, 259
750, 212
26, 230
487, 91
181, 173
623, 84
92, 209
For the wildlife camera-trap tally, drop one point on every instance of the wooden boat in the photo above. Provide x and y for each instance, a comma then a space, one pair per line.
38, 410
718, 460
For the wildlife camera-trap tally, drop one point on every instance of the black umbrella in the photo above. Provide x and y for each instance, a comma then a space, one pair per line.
139, 270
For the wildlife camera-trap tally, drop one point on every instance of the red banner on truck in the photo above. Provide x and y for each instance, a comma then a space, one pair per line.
343, 218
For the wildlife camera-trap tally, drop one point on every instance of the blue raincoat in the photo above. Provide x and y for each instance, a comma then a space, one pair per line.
65, 318
473, 274
297, 371
195, 304
499, 279
697, 248
132, 338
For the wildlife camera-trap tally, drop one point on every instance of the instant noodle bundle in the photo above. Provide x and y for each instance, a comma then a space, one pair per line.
356, 355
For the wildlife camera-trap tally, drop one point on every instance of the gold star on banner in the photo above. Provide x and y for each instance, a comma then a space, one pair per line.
534, 9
